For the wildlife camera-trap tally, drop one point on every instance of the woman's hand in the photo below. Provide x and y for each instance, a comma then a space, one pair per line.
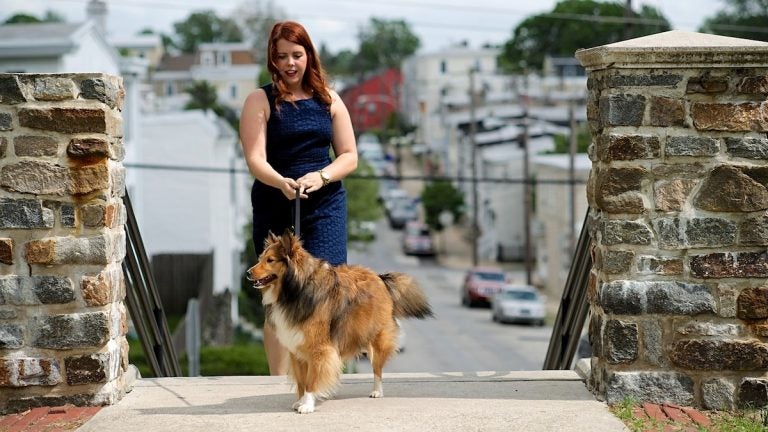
289, 186
311, 182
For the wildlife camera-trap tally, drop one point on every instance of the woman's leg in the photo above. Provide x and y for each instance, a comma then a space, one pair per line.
277, 354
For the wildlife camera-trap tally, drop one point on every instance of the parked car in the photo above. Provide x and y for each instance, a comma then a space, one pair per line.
401, 213
518, 303
480, 284
417, 239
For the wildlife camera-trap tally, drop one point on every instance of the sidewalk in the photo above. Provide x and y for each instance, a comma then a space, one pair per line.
478, 401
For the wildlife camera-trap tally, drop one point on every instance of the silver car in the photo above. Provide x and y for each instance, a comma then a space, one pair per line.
519, 303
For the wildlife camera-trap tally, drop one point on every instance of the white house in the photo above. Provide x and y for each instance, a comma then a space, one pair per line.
202, 206
56, 48
560, 211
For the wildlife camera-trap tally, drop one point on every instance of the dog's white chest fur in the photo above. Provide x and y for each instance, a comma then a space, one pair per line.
291, 337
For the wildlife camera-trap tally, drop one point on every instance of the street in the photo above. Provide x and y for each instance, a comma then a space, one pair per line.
458, 339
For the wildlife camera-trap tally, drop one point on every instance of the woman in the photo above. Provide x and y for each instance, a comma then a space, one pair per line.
286, 130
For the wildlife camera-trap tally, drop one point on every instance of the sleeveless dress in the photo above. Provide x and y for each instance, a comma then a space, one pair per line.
298, 142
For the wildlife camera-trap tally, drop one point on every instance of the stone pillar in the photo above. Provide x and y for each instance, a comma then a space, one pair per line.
62, 314
679, 219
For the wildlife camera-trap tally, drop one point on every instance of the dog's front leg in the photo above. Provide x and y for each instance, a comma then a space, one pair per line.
299, 374
306, 404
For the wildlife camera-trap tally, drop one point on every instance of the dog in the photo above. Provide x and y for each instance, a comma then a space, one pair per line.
325, 315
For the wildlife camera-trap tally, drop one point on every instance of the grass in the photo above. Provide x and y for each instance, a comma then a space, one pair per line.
244, 357
747, 420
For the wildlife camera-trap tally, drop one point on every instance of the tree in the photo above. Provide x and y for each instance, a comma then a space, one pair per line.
203, 96
385, 44
362, 205
256, 18
575, 24
746, 19
24, 18
204, 27
440, 196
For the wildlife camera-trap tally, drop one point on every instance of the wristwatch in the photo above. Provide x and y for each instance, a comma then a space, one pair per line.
325, 177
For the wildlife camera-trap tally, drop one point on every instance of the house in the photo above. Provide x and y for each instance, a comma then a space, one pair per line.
56, 48
187, 181
373, 101
230, 67
560, 211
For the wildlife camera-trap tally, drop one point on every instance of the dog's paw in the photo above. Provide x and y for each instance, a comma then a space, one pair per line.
376, 394
306, 404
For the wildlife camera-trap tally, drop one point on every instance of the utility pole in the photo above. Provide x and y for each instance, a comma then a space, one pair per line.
473, 149
627, 24
527, 194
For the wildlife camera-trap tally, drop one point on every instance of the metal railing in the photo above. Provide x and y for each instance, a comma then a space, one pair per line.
574, 307
144, 303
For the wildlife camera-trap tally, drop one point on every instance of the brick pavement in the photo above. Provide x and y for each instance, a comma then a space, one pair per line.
673, 417
48, 419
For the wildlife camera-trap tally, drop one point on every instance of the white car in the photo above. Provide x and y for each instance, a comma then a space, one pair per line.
519, 303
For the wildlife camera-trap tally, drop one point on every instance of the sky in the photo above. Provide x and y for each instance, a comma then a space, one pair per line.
437, 23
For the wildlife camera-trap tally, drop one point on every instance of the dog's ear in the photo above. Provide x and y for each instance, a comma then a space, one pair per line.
291, 243
270, 239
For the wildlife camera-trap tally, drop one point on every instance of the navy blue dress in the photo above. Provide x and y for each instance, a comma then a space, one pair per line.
298, 142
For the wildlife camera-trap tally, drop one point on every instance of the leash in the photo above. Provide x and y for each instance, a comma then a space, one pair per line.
297, 215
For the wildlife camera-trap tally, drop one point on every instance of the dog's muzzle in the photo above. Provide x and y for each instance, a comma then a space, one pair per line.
260, 283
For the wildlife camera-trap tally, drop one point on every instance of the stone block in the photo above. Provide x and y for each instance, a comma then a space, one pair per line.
670, 233
618, 190
655, 387
90, 178
35, 177
616, 262
753, 393
3, 147
719, 355
97, 290
64, 120
102, 90
10, 90
6, 122
662, 266
707, 84
87, 369
40, 251
36, 290
53, 89
35, 146
729, 117
698, 328
621, 342
653, 342
68, 218
85, 330
630, 147
757, 85
730, 265
622, 110
644, 80
710, 232
6, 251
728, 189
11, 336
753, 230
88, 149
748, 148
691, 146
671, 195
752, 304
24, 214
8, 314
29, 371
718, 394
629, 297
618, 231
666, 112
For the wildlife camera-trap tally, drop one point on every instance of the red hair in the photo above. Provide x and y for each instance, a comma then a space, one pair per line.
314, 80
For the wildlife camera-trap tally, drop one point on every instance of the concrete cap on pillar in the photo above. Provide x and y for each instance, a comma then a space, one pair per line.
688, 49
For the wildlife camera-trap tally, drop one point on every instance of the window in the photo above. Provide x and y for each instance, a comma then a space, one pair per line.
224, 58
443, 67
233, 91
168, 88
206, 58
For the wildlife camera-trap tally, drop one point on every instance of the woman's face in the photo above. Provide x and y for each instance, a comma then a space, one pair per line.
291, 62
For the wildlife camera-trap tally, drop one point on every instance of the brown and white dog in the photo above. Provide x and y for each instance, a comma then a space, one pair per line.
326, 315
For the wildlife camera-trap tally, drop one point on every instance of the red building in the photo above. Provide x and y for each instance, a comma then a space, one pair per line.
371, 102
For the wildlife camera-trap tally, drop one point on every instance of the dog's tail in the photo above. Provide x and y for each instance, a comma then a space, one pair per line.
408, 298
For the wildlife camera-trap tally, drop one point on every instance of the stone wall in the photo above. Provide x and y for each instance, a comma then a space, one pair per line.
62, 317
679, 220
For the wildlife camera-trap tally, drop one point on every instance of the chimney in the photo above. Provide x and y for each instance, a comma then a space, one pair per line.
97, 12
